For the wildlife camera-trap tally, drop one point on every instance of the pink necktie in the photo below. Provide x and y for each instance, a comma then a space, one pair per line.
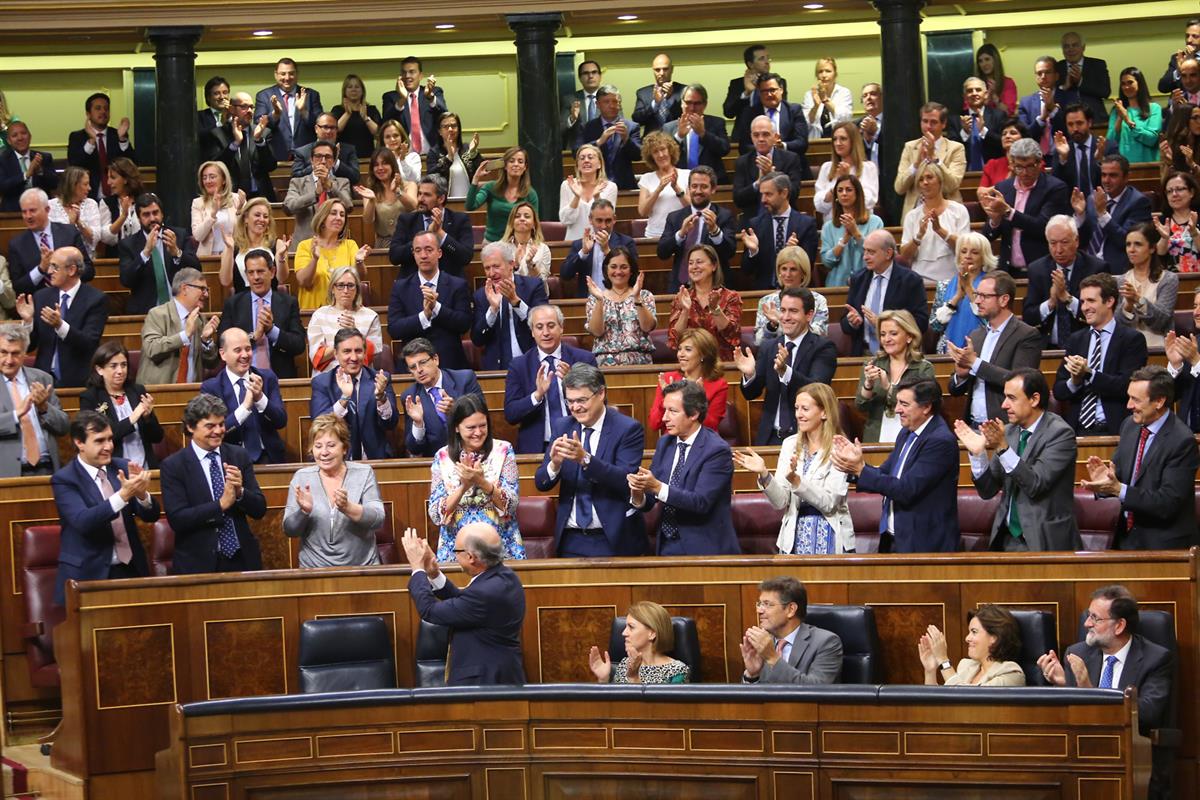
262, 359
120, 535
414, 123
1018, 255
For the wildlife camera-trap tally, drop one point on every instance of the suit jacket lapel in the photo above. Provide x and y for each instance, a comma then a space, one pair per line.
800, 645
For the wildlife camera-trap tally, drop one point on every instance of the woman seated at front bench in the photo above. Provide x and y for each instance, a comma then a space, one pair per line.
993, 640
649, 637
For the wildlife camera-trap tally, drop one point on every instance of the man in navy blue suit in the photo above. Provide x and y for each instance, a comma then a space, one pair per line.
797, 357
593, 451
918, 481
431, 304
691, 474
778, 226
427, 401
978, 127
67, 320
359, 395
533, 394
29, 251
703, 222
787, 120
1183, 363
23, 168
150, 258
763, 159
413, 89
456, 238
1019, 208
271, 316
586, 256
1052, 299
616, 136
98, 498
208, 491
1114, 208
701, 137
96, 144
1077, 154
290, 110
256, 409
485, 617
1042, 112
1094, 376
882, 286
502, 307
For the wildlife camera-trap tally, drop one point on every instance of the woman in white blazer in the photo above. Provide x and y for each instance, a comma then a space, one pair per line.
812, 491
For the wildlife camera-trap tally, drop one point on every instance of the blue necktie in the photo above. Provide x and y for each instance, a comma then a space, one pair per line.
553, 398
1106, 674
583, 492
693, 148
976, 146
435, 394
887, 501
227, 540
506, 351
62, 312
251, 438
670, 529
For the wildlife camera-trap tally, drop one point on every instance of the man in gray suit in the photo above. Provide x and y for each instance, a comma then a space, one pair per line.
1002, 344
782, 648
30, 416
177, 344
1034, 465
305, 194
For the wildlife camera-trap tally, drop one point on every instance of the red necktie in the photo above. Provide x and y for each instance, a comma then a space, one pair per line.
414, 123
1137, 468
102, 152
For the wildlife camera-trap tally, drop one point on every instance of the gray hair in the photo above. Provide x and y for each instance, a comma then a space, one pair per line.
490, 553
15, 332
37, 193
782, 182
439, 183
885, 238
584, 376
201, 407
698, 88
1025, 148
542, 307
608, 89
503, 249
185, 275
1063, 221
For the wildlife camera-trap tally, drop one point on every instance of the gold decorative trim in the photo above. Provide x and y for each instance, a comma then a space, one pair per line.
405, 732
812, 781
742, 731
548, 731
96, 665
192, 752
224, 786
1026, 737
487, 788
1079, 750
807, 734
390, 751
486, 731
681, 747
238, 744
1081, 792
282, 646
826, 749
921, 734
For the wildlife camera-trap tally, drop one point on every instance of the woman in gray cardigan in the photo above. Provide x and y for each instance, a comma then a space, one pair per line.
334, 506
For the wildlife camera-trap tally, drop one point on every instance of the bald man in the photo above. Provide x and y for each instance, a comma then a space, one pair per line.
243, 145
485, 617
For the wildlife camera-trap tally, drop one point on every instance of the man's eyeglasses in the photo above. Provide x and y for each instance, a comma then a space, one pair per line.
579, 402
202, 289
1092, 618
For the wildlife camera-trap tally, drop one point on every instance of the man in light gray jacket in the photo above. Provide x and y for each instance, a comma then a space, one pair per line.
782, 648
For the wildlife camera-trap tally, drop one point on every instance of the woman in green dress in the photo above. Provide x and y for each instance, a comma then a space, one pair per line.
512, 187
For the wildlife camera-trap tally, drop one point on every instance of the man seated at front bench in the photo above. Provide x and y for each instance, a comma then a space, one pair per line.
782, 648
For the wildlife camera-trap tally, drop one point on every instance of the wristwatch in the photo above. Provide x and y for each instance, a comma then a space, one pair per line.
945, 665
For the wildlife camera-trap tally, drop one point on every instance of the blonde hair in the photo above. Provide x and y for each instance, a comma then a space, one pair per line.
241, 236
336, 273
905, 322
323, 211
938, 171
226, 192
656, 618
332, 425
797, 256
858, 153
535, 236
822, 394
601, 175
707, 348
976, 239
831, 61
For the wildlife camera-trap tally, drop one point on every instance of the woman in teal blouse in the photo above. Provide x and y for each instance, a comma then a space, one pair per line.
1135, 122
512, 187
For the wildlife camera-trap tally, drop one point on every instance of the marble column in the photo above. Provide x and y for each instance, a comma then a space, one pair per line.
537, 104
903, 91
176, 148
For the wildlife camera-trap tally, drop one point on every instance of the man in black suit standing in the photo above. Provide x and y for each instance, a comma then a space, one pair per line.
150, 258
585, 259
208, 491
777, 227
743, 90
22, 168
1077, 153
290, 109
415, 95
1153, 470
1169, 81
271, 317
431, 304
67, 320
579, 108
96, 144
1052, 299
870, 124
345, 163
703, 222
701, 137
29, 251
1094, 376
616, 136
661, 101
1183, 363
217, 99
456, 238
1087, 76
785, 364
978, 128
882, 286
244, 147
1114, 208
764, 159
787, 120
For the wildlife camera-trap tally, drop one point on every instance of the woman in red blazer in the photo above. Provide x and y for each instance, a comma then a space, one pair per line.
697, 356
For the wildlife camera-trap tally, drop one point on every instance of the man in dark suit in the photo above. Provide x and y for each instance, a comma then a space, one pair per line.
978, 127
765, 159
1183, 363
1085, 75
783, 365
1153, 470
502, 306
271, 316
593, 450
533, 393
1077, 153
787, 120
1052, 299
456, 239
217, 106
782, 647
256, 409
244, 147
703, 222
427, 401
691, 475
99, 498
743, 90
415, 92
585, 258
870, 124
1019, 208
345, 163
1034, 465
701, 137
992, 351
777, 227
1114, 208
359, 395
150, 258
579, 108
662, 101
617, 137
29, 251
23, 168
95, 145
919, 479
431, 304
882, 286
1169, 81
208, 491
1042, 112
1094, 376
66, 318
485, 618
290, 109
